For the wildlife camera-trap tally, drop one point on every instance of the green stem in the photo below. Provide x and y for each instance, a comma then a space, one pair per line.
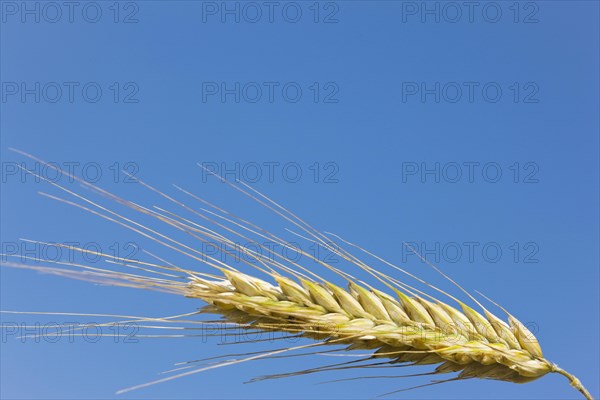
575, 382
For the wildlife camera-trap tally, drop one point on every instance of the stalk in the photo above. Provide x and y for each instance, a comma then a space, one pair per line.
573, 380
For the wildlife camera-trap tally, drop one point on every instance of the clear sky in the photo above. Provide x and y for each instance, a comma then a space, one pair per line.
469, 130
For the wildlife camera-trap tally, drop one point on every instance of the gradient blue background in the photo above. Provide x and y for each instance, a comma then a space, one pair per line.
369, 133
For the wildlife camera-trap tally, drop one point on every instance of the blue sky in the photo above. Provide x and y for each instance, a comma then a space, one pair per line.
470, 132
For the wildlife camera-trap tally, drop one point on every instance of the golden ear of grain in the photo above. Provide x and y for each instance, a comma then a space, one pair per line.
417, 330
408, 329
